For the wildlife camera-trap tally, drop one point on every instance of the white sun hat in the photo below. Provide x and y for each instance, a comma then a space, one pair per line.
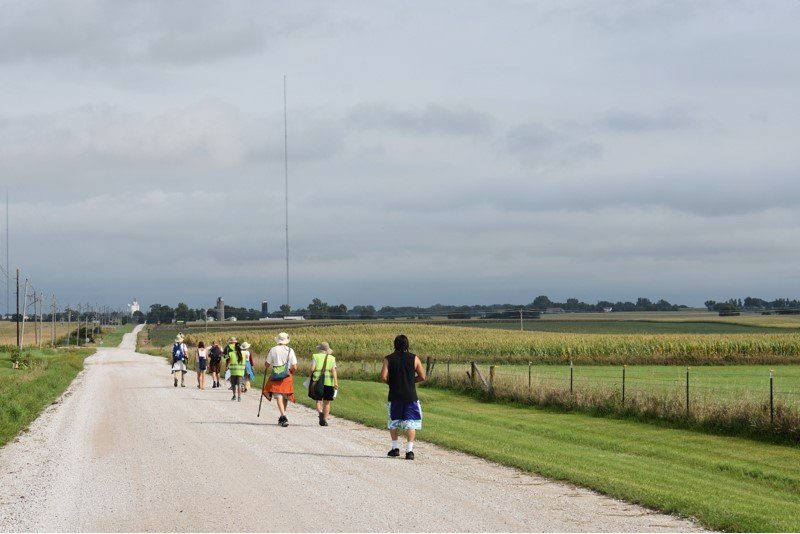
282, 339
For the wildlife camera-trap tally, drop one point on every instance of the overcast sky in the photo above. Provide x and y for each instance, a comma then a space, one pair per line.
456, 152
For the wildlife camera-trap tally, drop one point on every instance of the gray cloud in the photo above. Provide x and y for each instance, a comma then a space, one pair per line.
570, 149
623, 121
538, 145
181, 32
432, 119
190, 144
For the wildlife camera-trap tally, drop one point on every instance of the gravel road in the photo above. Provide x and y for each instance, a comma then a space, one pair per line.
123, 450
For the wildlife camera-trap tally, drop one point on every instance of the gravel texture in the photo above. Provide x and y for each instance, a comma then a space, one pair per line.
123, 450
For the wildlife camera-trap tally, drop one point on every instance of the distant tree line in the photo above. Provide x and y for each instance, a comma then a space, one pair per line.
754, 304
161, 313
319, 309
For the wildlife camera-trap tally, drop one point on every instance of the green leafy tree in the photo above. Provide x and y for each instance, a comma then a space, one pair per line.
541, 302
318, 309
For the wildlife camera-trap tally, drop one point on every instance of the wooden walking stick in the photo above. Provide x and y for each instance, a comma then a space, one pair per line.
261, 400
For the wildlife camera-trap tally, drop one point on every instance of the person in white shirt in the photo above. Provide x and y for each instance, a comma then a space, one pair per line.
180, 355
282, 363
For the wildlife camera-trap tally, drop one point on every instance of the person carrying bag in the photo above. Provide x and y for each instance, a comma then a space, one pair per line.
281, 362
323, 382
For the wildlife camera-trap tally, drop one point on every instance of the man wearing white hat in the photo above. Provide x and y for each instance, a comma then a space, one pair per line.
283, 362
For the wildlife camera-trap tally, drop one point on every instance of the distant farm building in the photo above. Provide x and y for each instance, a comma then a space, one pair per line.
220, 309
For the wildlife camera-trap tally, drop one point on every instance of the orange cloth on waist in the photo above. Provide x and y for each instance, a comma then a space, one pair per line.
285, 386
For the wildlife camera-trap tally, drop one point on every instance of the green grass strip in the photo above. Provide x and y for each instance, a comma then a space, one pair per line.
113, 339
25, 392
726, 483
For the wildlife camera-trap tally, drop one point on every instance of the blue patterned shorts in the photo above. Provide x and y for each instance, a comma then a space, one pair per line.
404, 415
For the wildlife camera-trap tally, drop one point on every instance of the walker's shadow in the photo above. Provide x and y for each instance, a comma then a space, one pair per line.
241, 423
334, 455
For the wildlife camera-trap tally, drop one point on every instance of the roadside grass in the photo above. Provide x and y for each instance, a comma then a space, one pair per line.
25, 392
726, 483
114, 337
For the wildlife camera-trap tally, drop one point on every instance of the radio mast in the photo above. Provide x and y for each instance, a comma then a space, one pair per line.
286, 182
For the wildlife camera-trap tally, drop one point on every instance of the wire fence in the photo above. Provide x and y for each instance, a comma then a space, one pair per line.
760, 402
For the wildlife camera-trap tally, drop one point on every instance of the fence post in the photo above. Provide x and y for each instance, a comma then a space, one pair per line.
623, 385
570, 377
530, 391
771, 397
448, 373
472, 373
491, 380
687, 391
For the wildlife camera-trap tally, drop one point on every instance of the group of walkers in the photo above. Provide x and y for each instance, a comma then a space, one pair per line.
401, 370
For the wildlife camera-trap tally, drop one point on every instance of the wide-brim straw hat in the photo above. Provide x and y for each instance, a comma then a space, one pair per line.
245, 345
232, 340
324, 347
178, 339
282, 338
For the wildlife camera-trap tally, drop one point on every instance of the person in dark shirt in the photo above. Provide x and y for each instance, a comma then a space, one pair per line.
215, 362
402, 370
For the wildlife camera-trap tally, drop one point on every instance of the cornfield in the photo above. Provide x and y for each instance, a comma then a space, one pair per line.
8, 333
367, 341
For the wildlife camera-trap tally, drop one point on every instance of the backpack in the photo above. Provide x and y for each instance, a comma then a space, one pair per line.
178, 353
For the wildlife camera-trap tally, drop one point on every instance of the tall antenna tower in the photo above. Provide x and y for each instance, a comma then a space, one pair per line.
286, 182
8, 267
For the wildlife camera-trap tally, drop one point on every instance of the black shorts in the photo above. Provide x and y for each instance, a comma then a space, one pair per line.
328, 393
201, 364
237, 380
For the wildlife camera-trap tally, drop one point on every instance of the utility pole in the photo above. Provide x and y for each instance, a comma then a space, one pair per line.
69, 323
41, 318
520, 319
35, 320
24, 311
53, 320
36, 338
78, 331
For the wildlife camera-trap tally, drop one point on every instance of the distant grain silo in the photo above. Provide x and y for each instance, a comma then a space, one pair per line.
264, 308
220, 309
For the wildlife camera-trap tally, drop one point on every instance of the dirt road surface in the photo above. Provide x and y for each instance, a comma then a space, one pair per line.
124, 450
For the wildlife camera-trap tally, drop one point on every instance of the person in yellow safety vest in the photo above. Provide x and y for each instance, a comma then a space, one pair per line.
227, 351
236, 365
323, 361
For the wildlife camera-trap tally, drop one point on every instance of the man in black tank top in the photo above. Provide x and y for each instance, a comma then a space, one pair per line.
402, 370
